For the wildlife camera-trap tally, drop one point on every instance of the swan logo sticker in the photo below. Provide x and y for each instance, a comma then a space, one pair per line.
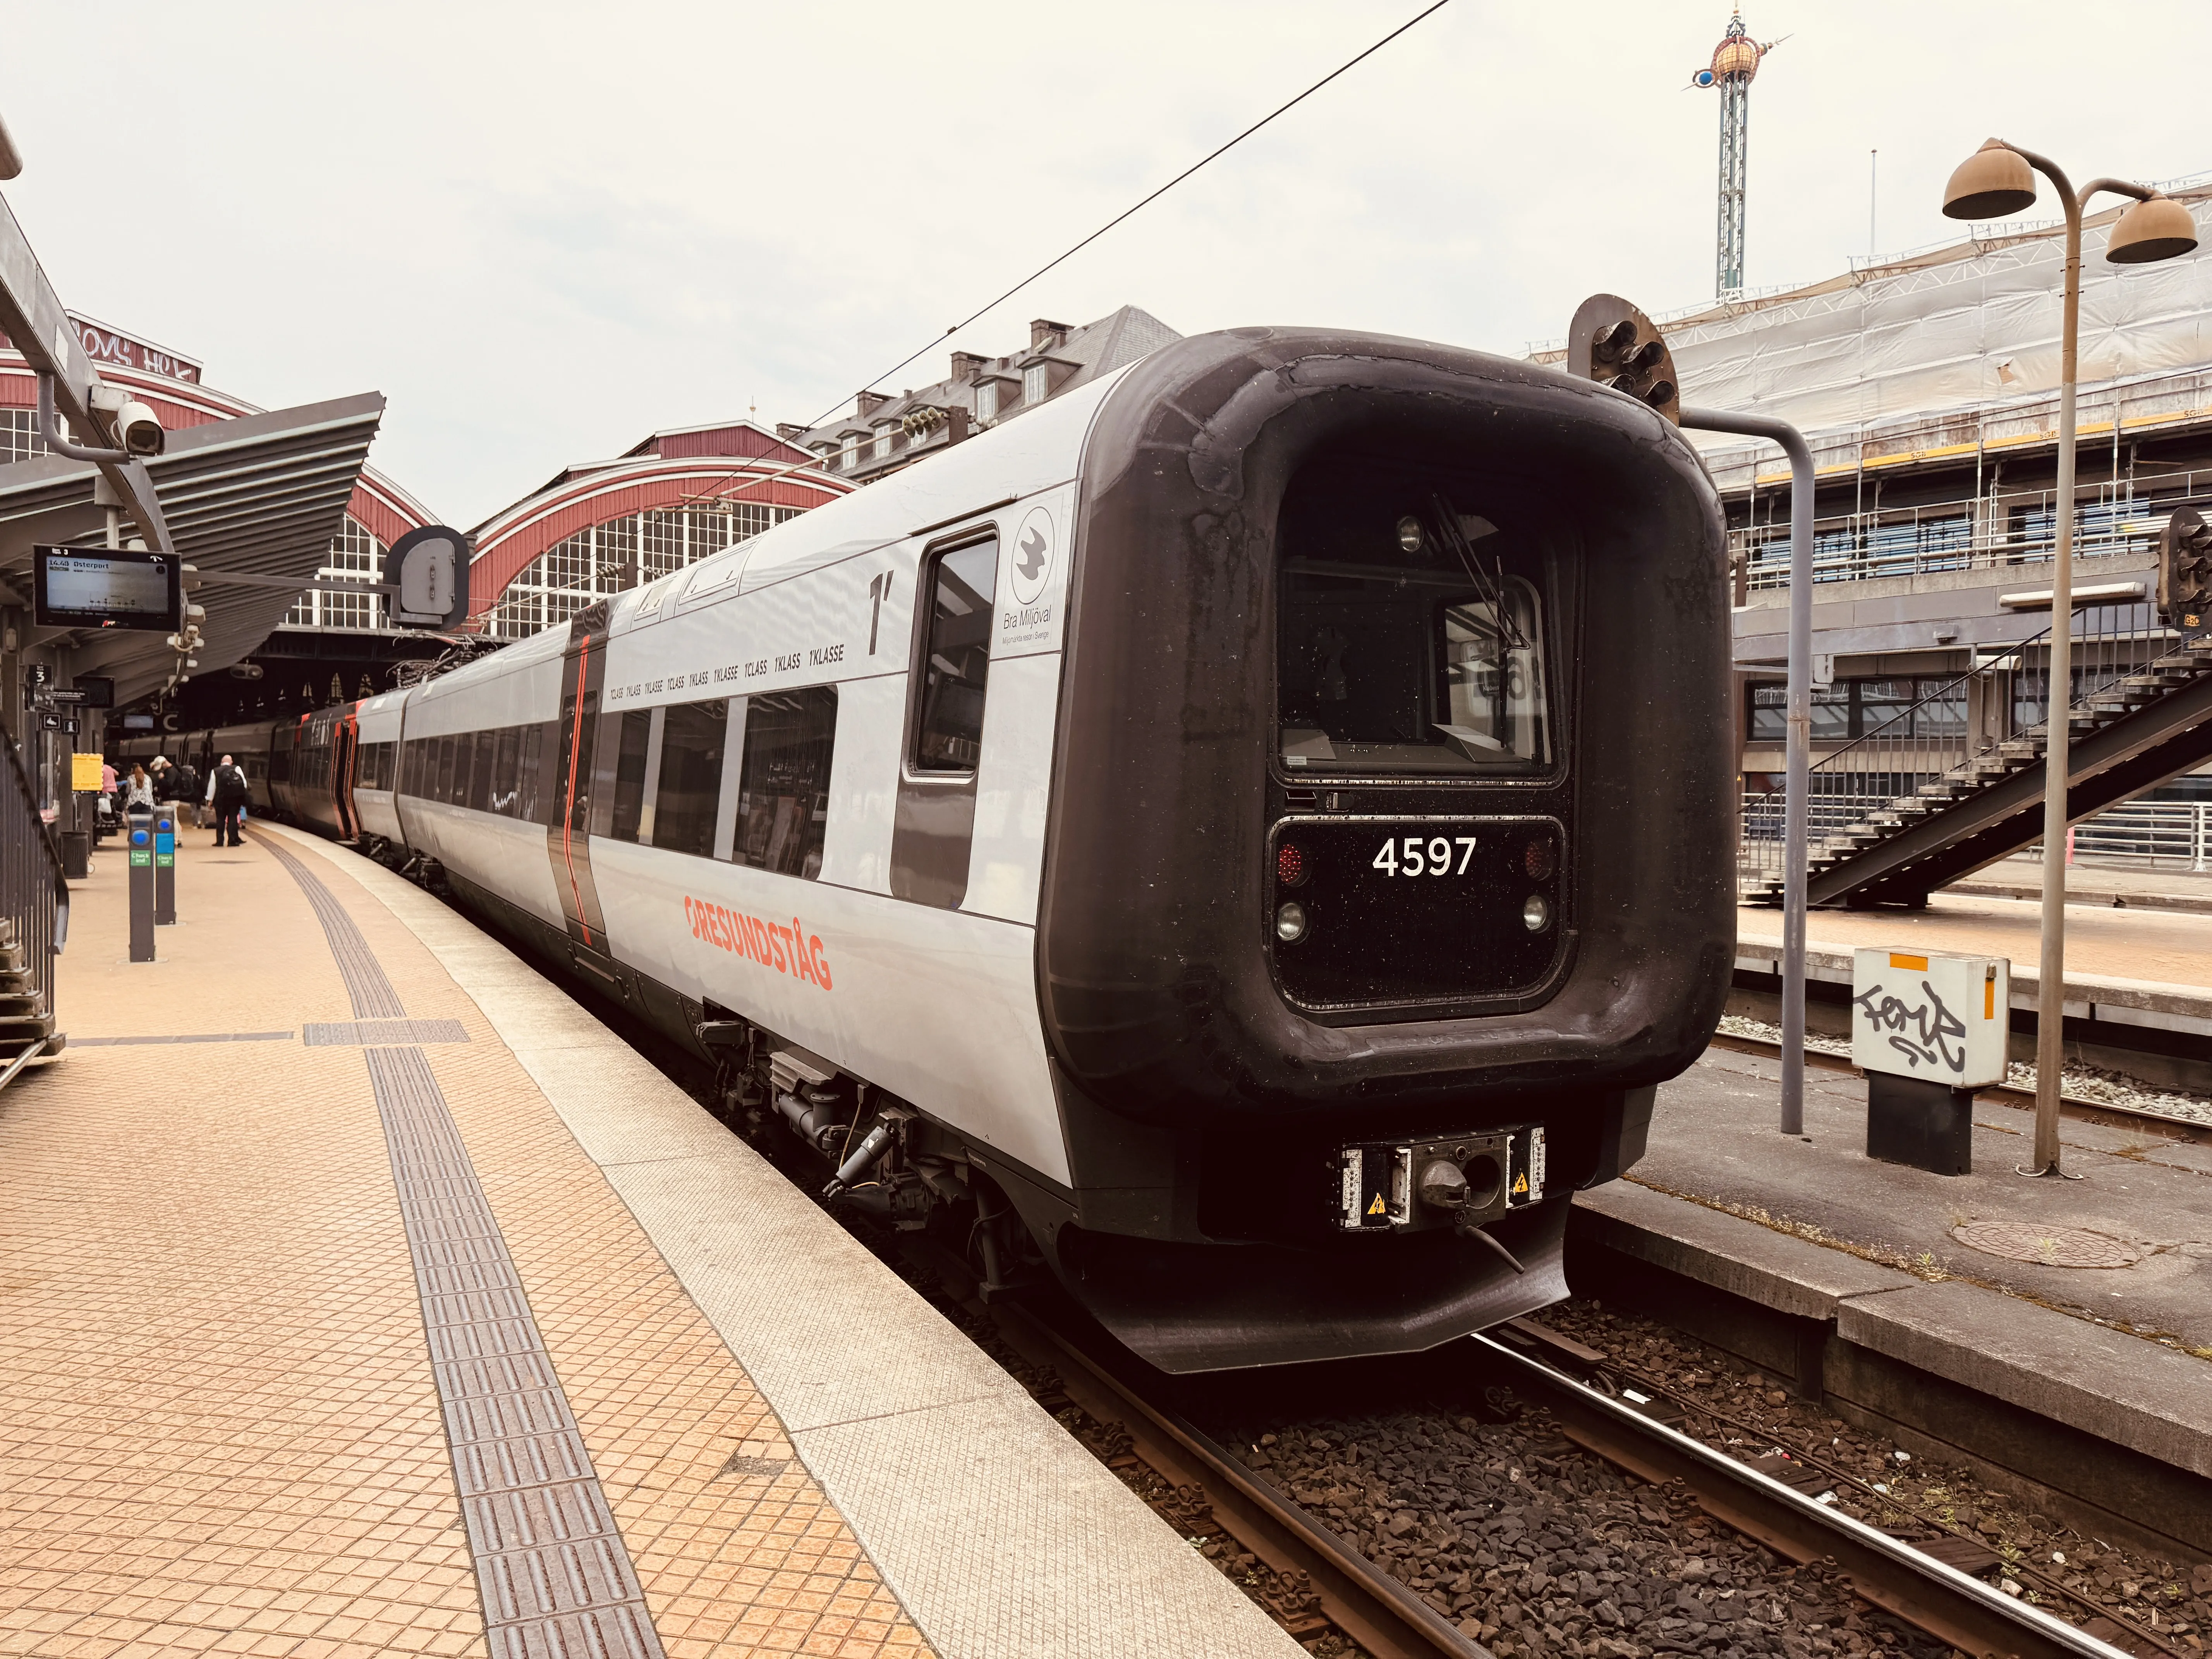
1032, 563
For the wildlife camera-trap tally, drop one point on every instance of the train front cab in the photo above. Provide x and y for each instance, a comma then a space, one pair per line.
1388, 866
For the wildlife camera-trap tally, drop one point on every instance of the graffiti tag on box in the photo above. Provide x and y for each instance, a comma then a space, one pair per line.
1925, 1031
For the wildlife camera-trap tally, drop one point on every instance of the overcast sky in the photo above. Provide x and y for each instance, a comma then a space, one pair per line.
543, 230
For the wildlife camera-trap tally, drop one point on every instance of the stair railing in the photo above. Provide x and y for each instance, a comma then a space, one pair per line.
1943, 732
33, 895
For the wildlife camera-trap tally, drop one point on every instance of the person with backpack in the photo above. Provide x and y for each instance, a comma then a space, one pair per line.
187, 789
227, 792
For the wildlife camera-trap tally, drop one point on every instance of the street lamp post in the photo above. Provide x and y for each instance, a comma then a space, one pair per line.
1996, 182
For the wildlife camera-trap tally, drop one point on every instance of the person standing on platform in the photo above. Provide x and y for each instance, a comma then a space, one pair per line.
139, 792
227, 792
187, 791
165, 780
107, 787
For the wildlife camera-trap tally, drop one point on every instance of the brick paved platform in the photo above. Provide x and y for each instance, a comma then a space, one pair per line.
361, 1294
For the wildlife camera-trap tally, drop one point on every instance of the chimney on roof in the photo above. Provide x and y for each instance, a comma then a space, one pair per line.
869, 402
786, 431
1044, 333
965, 366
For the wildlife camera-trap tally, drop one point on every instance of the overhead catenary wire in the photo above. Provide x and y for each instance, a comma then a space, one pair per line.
1062, 257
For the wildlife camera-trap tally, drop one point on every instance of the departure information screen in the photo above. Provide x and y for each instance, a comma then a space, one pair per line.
78, 588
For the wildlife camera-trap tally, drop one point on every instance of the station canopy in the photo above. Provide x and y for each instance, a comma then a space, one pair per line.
258, 496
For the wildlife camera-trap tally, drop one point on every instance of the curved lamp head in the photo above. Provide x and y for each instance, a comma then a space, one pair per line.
2159, 228
1994, 182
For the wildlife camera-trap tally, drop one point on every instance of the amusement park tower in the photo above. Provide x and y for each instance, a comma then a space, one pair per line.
1735, 61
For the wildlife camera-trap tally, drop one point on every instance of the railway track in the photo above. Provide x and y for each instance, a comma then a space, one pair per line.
1391, 1622
2081, 1110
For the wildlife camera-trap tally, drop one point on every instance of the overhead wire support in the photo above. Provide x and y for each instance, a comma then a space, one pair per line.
735, 489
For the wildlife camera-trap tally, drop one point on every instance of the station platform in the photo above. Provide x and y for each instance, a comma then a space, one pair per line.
2055, 1332
2111, 886
2135, 942
364, 1294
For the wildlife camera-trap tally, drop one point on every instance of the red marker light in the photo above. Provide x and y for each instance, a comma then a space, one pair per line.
1290, 865
1540, 859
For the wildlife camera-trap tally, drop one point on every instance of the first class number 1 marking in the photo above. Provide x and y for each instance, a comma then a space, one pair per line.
1412, 857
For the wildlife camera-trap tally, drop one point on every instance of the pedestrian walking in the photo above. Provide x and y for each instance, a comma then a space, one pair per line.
165, 780
227, 793
188, 788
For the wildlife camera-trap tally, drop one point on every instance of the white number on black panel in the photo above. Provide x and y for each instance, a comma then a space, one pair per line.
1433, 856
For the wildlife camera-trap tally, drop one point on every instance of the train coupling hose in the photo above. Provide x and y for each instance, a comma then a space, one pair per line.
863, 1159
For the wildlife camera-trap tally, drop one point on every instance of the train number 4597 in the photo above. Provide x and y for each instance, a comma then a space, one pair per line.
1412, 856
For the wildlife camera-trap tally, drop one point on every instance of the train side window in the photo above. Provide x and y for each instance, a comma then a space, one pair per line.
629, 774
465, 754
480, 770
506, 753
533, 738
963, 585
443, 789
693, 736
783, 791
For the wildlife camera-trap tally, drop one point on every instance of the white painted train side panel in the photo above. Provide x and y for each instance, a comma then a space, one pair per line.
939, 1007
1006, 860
523, 690
497, 854
378, 717
379, 815
856, 850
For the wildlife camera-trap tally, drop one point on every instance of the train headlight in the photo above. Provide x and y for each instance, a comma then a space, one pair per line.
1540, 859
1535, 913
1291, 922
1409, 534
1290, 866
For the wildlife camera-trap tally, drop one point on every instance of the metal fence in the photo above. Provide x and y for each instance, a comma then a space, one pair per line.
1979, 724
2163, 835
34, 895
1979, 532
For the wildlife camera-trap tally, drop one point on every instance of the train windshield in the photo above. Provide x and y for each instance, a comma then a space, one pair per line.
1410, 641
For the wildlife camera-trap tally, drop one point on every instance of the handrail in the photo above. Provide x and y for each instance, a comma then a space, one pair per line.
30, 798
1883, 767
1941, 693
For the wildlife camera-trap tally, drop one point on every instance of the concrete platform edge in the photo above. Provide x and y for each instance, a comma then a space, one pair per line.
1000, 1535
2119, 1387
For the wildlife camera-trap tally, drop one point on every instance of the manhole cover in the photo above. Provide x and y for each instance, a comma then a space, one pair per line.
2051, 1247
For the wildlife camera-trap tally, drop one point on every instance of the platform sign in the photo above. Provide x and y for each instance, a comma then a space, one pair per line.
1931, 1015
85, 774
72, 587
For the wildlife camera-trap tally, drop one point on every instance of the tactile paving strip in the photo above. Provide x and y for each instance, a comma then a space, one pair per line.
382, 1033
555, 1576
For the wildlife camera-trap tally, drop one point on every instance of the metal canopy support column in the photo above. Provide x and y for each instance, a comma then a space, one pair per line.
1799, 757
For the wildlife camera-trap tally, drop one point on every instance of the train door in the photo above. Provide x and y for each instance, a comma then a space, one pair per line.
568, 837
345, 743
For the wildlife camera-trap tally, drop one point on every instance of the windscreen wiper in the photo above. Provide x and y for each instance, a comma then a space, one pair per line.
1491, 586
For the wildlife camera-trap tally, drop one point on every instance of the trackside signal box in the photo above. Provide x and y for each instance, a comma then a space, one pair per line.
1927, 1029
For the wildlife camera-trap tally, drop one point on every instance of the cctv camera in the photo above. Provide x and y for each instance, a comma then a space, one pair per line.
139, 428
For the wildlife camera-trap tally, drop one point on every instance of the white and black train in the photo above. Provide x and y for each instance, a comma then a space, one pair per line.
1246, 837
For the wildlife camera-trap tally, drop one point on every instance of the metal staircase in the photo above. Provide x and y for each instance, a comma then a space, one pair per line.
1954, 782
33, 915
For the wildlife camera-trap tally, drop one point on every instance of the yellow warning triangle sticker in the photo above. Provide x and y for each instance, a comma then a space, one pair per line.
1376, 1208
1521, 1184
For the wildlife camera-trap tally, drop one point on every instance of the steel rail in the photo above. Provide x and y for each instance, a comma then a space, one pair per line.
1819, 1460
1949, 1605
1366, 1603
37, 1047
2079, 1108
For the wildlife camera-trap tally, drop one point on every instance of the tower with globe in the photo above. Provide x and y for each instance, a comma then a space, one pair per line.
1736, 62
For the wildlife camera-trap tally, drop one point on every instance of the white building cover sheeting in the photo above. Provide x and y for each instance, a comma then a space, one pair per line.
1976, 325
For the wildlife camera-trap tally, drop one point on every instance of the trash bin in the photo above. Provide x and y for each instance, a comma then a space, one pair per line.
76, 853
